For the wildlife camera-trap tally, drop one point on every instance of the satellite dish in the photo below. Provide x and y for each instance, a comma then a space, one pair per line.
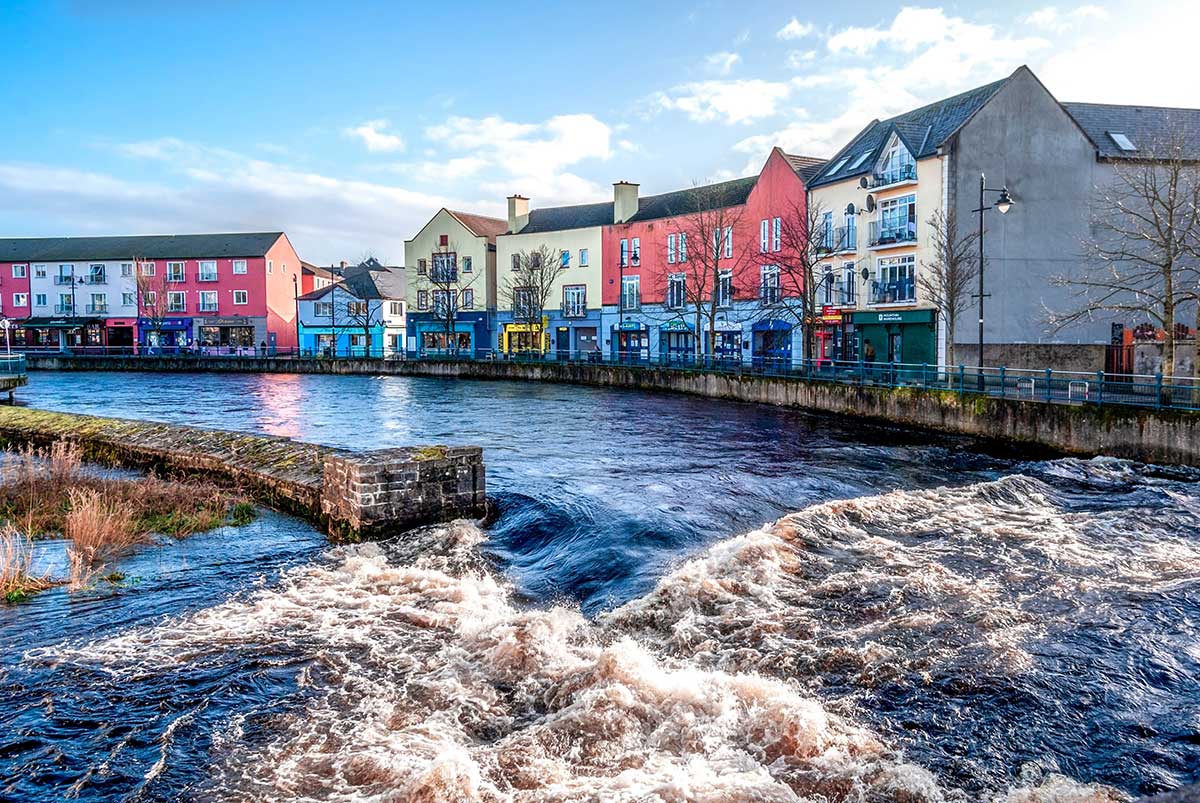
862, 182
870, 203
850, 208
866, 273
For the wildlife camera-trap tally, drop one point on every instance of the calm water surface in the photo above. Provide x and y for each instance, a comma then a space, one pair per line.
968, 626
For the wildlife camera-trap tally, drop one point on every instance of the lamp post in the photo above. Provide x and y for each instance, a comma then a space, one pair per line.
1003, 204
296, 299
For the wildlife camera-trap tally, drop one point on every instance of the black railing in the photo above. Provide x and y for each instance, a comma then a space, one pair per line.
894, 292
893, 233
896, 175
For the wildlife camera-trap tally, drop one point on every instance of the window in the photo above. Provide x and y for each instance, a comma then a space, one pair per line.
96, 274
523, 303
849, 284
827, 289
321, 309
827, 237
583, 257
66, 274
65, 303
768, 288
128, 299
575, 301
683, 247
776, 234
862, 157
241, 297
896, 165
466, 265
208, 301
99, 303
728, 242
20, 271
147, 268
624, 253
239, 267
764, 235
270, 266
150, 298
535, 260
631, 292
837, 168
443, 239
421, 267
39, 271
358, 341
39, 300
850, 239
897, 220
20, 299
468, 298
126, 269
445, 268
894, 280
676, 291
635, 255
174, 271
176, 301
724, 288
1123, 142
422, 299
670, 249
208, 272
396, 308
564, 258
362, 308
516, 261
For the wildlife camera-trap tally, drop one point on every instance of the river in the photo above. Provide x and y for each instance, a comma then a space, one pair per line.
928, 621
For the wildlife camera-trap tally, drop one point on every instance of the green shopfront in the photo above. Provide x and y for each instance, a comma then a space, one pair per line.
905, 336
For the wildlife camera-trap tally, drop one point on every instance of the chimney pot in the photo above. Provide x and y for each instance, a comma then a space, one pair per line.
625, 201
518, 213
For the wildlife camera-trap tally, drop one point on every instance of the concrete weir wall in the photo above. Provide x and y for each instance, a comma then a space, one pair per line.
1139, 434
352, 494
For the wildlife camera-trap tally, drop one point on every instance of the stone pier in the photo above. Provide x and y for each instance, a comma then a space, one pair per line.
353, 495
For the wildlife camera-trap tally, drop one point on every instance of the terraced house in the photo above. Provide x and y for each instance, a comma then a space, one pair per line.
214, 292
450, 271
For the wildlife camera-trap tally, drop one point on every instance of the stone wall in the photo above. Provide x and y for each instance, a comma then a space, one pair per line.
353, 495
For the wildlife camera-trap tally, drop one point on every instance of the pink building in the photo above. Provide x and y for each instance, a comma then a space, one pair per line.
202, 291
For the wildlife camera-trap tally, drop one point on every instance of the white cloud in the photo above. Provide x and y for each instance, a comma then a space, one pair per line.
794, 30
797, 59
1051, 19
721, 63
739, 101
375, 138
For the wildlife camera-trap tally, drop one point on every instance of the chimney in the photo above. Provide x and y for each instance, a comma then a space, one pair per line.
343, 264
625, 201
518, 213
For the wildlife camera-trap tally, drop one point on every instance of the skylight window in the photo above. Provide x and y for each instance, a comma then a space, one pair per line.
1123, 142
837, 168
862, 157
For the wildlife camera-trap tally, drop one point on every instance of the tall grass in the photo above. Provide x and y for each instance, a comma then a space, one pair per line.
17, 580
99, 530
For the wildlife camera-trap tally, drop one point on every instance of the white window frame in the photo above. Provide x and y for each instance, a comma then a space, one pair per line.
24, 271
724, 288
764, 237
20, 299
128, 299
776, 234
171, 295
583, 257
321, 309
631, 285
149, 298
670, 249
39, 271
676, 291
624, 252
182, 271
126, 269
729, 242
467, 299
423, 299
147, 268
204, 296
40, 300
239, 267
768, 284
466, 265
682, 247
200, 269
635, 251
243, 295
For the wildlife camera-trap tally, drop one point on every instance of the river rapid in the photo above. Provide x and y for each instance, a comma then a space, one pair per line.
681, 600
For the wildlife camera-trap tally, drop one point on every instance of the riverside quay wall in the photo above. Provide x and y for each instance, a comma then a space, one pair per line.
353, 495
1135, 433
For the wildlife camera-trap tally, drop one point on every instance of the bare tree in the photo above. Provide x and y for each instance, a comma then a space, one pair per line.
714, 264
530, 285
445, 281
952, 272
1142, 258
806, 241
152, 295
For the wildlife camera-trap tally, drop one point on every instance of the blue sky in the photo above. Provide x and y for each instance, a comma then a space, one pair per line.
348, 125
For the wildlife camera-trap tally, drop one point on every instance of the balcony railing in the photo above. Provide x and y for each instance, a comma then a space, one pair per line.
96, 309
175, 277
896, 175
893, 233
64, 309
895, 292
176, 308
95, 278
836, 240
206, 277
67, 279
838, 294
574, 309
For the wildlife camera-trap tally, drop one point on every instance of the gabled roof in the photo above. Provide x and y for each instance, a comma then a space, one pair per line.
368, 280
317, 270
1147, 127
560, 218
150, 246
481, 225
922, 130
682, 202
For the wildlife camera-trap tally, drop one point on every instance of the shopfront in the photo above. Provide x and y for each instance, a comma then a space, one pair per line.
727, 342
771, 343
902, 336
631, 342
120, 334
65, 334
677, 342
525, 338
166, 335
226, 336
834, 339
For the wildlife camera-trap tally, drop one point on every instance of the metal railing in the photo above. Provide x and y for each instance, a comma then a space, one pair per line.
95, 278
895, 292
95, 309
1036, 385
12, 365
896, 175
892, 233
60, 279
206, 277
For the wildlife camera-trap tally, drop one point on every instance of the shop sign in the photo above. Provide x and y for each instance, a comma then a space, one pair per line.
629, 326
676, 326
896, 316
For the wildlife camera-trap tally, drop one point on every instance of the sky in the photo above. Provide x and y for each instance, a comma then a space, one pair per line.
349, 125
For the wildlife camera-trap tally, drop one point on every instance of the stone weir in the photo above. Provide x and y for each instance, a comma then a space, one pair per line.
354, 495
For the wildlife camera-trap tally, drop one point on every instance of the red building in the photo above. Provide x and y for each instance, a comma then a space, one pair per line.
654, 275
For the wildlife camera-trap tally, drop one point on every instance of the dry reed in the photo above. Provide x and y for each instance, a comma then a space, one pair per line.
17, 580
99, 530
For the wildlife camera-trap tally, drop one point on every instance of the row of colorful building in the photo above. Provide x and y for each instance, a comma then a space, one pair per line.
631, 273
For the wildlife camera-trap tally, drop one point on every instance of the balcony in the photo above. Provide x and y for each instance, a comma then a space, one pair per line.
67, 279
901, 291
96, 278
176, 308
64, 309
574, 309
838, 294
899, 175
838, 240
893, 234
96, 309
202, 277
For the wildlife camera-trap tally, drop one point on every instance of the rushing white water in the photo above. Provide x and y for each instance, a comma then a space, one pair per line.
742, 677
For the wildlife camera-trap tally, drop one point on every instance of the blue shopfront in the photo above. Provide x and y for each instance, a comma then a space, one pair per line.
771, 342
631, 341
469, 335
166, 334
677, 342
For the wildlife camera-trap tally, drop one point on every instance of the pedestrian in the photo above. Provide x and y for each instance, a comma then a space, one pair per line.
869, 358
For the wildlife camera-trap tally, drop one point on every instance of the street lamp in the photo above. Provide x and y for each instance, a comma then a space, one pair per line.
1003, 204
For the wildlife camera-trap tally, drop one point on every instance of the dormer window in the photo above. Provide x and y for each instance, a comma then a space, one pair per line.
1123, 142
895, 165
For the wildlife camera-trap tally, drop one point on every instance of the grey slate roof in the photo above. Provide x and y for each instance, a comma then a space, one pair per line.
150, 246
367, 280
805, 166
1146, 127
681, 202
922, 131
559, 218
